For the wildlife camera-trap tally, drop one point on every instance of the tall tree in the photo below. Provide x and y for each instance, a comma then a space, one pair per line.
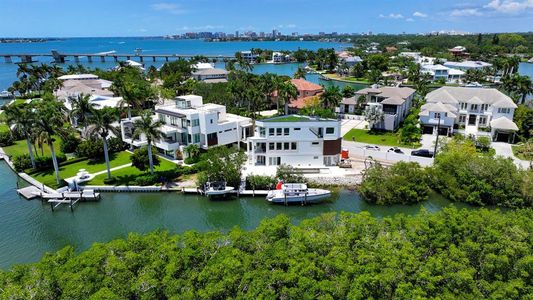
22, 117
300, 73
50, 118
81, 109
101, 124
331, 97
286, 93
149, 128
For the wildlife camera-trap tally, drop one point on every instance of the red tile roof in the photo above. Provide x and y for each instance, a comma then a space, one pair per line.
304, 85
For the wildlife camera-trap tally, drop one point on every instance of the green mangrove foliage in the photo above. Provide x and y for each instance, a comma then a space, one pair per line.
452, 254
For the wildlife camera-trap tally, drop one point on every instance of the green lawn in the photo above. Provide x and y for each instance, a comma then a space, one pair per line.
3, 127
376, 138
125, 176
20, 147
48, 178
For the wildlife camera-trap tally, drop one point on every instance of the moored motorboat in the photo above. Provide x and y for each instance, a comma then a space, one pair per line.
296, 193
217, 188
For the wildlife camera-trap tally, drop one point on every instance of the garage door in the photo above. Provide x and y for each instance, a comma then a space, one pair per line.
427, 130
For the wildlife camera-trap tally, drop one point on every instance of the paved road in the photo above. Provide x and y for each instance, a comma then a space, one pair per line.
358, 150
505, 150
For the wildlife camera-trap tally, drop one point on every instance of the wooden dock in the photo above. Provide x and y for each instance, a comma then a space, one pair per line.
29, 192
252, 193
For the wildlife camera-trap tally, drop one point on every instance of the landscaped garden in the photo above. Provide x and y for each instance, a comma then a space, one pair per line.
375, 137
67, 170
127, 175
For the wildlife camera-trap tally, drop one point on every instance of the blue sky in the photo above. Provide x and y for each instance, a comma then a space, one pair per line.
67, 18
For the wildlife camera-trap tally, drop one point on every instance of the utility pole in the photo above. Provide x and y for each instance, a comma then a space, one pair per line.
437, 140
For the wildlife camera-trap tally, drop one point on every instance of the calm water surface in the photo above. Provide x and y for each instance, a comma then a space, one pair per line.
28, 229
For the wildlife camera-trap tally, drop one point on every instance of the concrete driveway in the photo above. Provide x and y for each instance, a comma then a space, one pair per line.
347, 125
506, 150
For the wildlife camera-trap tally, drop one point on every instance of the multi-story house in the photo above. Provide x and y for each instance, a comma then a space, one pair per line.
475, 109
306, 90
187, 120
248, 56
394, 102
299, 141
438, 71
279, 58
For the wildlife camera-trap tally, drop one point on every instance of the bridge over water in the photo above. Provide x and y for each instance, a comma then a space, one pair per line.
60, 58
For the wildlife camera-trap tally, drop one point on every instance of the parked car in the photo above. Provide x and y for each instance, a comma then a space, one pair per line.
422, 152
395, 150
370, 147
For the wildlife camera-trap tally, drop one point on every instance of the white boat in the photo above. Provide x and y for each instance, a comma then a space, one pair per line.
297, 193
5, 95
217, 188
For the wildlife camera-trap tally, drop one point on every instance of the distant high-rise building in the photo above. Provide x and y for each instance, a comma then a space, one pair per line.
274, 33
262, 34
237, 33
321, 33
295, 34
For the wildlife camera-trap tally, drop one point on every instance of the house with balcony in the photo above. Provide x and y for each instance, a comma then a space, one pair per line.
394, 102
248, 56
187, 120
475, 111
438, 72
280, 58
298, 141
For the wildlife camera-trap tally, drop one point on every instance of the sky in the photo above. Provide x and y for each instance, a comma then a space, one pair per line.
89, 18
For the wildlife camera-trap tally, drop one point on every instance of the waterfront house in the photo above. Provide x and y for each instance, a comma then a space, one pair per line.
394, 102
476, 111
306, 91
349, 59
248, 56
279, 58
437, 72
298, 141
187, 120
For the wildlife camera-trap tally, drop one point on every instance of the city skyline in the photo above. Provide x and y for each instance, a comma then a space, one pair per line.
155, 18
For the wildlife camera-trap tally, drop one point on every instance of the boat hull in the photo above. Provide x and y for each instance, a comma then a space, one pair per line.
312, 196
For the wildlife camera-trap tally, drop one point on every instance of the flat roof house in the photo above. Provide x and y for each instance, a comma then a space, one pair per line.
211, 75
298, 141
394, 102
187, 120
478, 110
439, 71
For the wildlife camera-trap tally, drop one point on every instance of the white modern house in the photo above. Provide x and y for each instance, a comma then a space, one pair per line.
480, 111
394, 102
439, 71
298, 141
279, 58
187, 120
248, 56
211, 75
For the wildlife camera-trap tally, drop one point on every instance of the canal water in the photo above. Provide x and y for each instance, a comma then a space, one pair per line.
28, 229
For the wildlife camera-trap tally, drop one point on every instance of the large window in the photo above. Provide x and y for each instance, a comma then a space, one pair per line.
195, 122
196, 138
293, 146
504, 110
473, 107
271, 131
279, 146
482, 120
271, 146
463, 105
330, 130
278, 131
285, 131
174, 121
262, 131
462, 118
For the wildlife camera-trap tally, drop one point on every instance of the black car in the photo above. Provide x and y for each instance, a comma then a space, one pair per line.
422, 152
395, 150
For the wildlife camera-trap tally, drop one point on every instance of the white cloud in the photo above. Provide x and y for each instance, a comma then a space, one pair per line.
509, 6
466, 12
172, 8
419, 14
410, 20
391, 16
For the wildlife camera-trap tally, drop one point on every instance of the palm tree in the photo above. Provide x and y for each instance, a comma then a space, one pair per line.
300, 73
287, 92
149, 128
102, 125
81, 109
50, 118
267, 85
525, 87
192, 150
331, 97
22, 117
